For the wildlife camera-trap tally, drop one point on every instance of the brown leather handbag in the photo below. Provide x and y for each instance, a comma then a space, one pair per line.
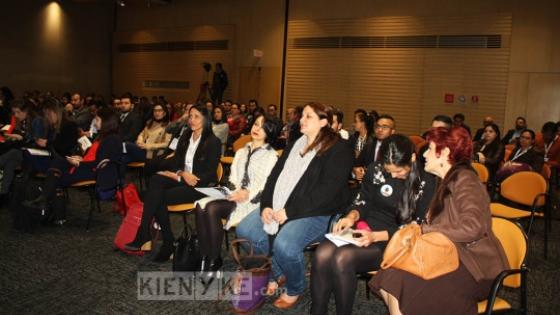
427, 255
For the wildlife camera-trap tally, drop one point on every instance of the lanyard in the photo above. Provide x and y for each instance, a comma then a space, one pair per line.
548, 146
520, 153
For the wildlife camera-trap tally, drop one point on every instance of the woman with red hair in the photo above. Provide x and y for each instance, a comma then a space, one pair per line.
461, 211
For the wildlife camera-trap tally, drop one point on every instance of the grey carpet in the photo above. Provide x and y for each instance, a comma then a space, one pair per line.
68, 270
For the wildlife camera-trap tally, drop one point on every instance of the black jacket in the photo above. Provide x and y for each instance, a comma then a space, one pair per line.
206, 157
131, 127
533, 158
494, 154
507, 139
367, 156
323, 188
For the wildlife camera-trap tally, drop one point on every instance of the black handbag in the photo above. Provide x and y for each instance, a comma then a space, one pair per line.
187, 252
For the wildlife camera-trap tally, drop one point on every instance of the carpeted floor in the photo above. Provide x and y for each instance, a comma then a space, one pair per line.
68, 270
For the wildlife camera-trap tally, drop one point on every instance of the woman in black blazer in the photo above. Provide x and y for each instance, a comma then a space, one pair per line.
489, 151
306, 187
194, 165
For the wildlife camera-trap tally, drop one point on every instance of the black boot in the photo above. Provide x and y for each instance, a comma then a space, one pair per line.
164, 253
38, 203
211, 269
140, 239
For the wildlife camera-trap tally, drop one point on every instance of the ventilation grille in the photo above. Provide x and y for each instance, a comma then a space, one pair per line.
175, 46
158, 84
430, 41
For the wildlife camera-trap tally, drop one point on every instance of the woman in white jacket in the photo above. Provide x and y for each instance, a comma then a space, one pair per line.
250, 169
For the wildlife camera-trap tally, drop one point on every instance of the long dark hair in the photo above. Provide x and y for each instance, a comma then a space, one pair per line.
206, 126
495, 144
109, 123
459, 143
327, 137
271, 129
398, 150
369, 121
164, 120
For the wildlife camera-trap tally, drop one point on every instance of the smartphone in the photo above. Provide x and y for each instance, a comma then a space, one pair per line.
356, 235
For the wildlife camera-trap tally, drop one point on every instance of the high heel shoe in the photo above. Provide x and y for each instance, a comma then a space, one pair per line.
164, 253
211, 269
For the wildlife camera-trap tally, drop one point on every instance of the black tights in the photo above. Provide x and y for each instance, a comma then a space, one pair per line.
209, 226
334, 270
163, 191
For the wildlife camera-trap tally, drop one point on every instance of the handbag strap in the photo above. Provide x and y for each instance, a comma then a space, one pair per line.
235, 253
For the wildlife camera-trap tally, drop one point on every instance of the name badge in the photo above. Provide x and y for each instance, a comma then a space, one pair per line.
386, 190
173, 144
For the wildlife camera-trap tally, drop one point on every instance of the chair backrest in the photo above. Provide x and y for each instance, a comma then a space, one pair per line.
507, 153
220, 172
108, 175
514, 242
279, 152
239, 143
510, 147
523, 187
482, 171
418, 142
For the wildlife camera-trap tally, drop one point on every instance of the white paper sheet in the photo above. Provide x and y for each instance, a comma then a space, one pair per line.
215, 192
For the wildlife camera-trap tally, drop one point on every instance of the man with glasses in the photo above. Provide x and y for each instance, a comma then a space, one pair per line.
384, 127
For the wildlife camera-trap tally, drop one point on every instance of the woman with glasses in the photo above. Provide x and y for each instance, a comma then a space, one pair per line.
523, 158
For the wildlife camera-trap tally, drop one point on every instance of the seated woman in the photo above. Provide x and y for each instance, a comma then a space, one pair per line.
461, 211
21, 135
153, 139
363, 137
236, 123
53, 132
250, 169
394, 191
63, 172
305, 188
220, 126
489, 150
193, 165
523, 158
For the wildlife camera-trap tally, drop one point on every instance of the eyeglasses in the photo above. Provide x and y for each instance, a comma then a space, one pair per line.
383, 127
526, 138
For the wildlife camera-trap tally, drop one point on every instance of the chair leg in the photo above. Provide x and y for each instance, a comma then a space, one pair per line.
226, 240
91, 191
184, 213
367, 289
98, 205
141, 178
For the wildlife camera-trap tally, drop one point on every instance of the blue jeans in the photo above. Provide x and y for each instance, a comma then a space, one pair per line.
287, 250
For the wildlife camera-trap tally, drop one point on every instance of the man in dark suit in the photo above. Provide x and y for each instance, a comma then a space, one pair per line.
384, 127
512, 135
130, 122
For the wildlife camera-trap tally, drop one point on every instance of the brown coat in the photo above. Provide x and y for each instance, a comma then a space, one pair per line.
466, 220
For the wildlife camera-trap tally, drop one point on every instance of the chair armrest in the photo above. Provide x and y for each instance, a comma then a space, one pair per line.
498, 283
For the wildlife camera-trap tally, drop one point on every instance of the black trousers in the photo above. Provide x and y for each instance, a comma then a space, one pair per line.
209, 226
164, 191
334, 271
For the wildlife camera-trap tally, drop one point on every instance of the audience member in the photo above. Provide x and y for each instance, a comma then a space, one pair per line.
480, 131
338, 117
513, 135
459, 121
65, 171
490, 151
461, 211
523, 158
384, 127
305, 188
236, 123
130, 122
193, 165
551, 144
250, 169
80, 112
393, 192
363, 135
153, 140
220, 126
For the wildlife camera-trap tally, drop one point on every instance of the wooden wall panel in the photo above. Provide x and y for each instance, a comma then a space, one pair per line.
408, 83
130, 70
